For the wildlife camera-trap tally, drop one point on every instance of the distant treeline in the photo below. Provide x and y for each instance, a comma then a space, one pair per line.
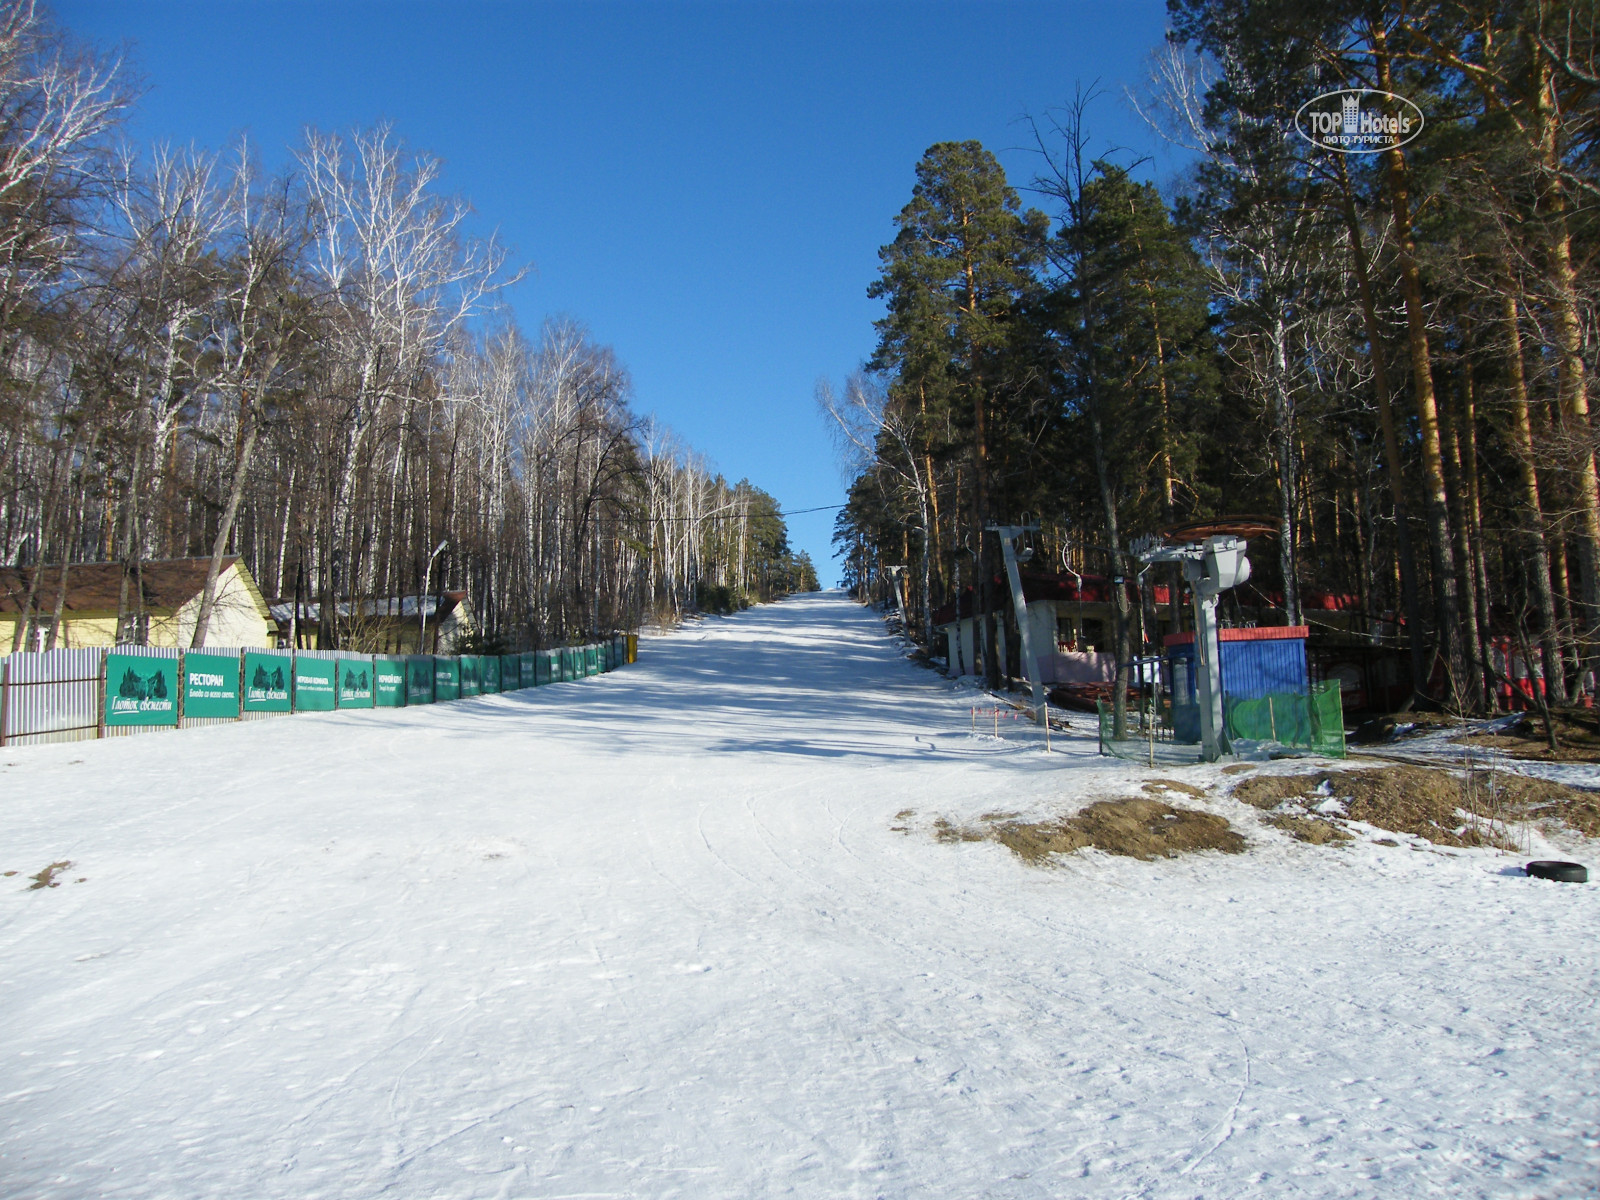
315, 370
1387, 352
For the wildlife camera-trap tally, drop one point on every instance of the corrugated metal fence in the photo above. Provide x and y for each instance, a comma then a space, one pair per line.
68, 695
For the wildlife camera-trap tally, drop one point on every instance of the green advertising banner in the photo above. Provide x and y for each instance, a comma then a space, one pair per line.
569, 664
140, 690
354, 682
388, 683
511, 672
446, 678
545, 668
605, 657
469, 675
419, 679
210, 685
530, 668
591, 660
313, 684
489, 675
266, 682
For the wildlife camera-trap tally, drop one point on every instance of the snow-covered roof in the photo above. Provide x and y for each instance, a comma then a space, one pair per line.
399, 607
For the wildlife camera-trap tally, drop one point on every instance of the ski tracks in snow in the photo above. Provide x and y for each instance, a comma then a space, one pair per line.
651, 935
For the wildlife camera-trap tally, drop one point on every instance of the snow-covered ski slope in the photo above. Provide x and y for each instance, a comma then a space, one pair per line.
654, 934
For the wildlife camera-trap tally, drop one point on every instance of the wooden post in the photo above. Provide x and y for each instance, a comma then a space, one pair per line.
100, 699
5, 699
180, 684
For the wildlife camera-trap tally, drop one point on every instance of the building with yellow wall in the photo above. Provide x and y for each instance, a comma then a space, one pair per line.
163, 600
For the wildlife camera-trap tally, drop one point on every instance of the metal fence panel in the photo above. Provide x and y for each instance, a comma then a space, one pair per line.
51, 697
419, 679
446, 678
210, 686
353, 681
266, 682
388, 681
141, 690
313, 683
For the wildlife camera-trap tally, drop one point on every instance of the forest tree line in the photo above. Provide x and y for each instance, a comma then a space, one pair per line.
316, 370
1387, 353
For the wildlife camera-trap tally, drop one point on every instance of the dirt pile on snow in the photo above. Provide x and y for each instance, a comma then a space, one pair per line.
1135, 828
1450, 809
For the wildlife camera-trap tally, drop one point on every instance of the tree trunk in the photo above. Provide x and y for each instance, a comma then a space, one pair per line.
1437, 507
208, 597
1410, 598
1520, 431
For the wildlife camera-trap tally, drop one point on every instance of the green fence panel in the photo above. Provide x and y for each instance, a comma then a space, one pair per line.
210, 685
470, 684
313, 684
266, 682
354, 681
530, 668
446, 678
511, 672
140, 690
1313, 720
591, 660
1327, 719
543, 668
388, 683
489, 675
571, 659
420, 675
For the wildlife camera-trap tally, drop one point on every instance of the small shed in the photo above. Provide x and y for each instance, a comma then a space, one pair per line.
1267, 658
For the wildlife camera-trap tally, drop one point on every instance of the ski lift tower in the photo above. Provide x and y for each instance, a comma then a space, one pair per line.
1210, 566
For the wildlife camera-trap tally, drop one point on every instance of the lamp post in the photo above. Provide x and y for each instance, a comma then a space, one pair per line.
422, 610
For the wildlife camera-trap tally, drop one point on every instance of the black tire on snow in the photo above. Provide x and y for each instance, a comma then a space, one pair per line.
1561, 872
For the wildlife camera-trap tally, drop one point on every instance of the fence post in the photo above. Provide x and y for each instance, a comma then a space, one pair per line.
178, 685
100, 699
5, 698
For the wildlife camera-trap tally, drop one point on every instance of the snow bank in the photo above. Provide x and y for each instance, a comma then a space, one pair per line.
654, 934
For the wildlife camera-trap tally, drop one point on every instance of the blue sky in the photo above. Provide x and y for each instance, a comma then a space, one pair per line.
704, 185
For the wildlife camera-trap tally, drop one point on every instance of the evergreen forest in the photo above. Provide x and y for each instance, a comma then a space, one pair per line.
1385, 357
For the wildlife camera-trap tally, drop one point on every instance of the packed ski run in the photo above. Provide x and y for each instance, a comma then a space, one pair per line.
687, 930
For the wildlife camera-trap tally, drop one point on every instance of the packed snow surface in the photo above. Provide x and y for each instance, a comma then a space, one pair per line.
662, 933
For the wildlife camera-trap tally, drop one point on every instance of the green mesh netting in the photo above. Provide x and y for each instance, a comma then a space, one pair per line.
1313, 721
1300, 721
